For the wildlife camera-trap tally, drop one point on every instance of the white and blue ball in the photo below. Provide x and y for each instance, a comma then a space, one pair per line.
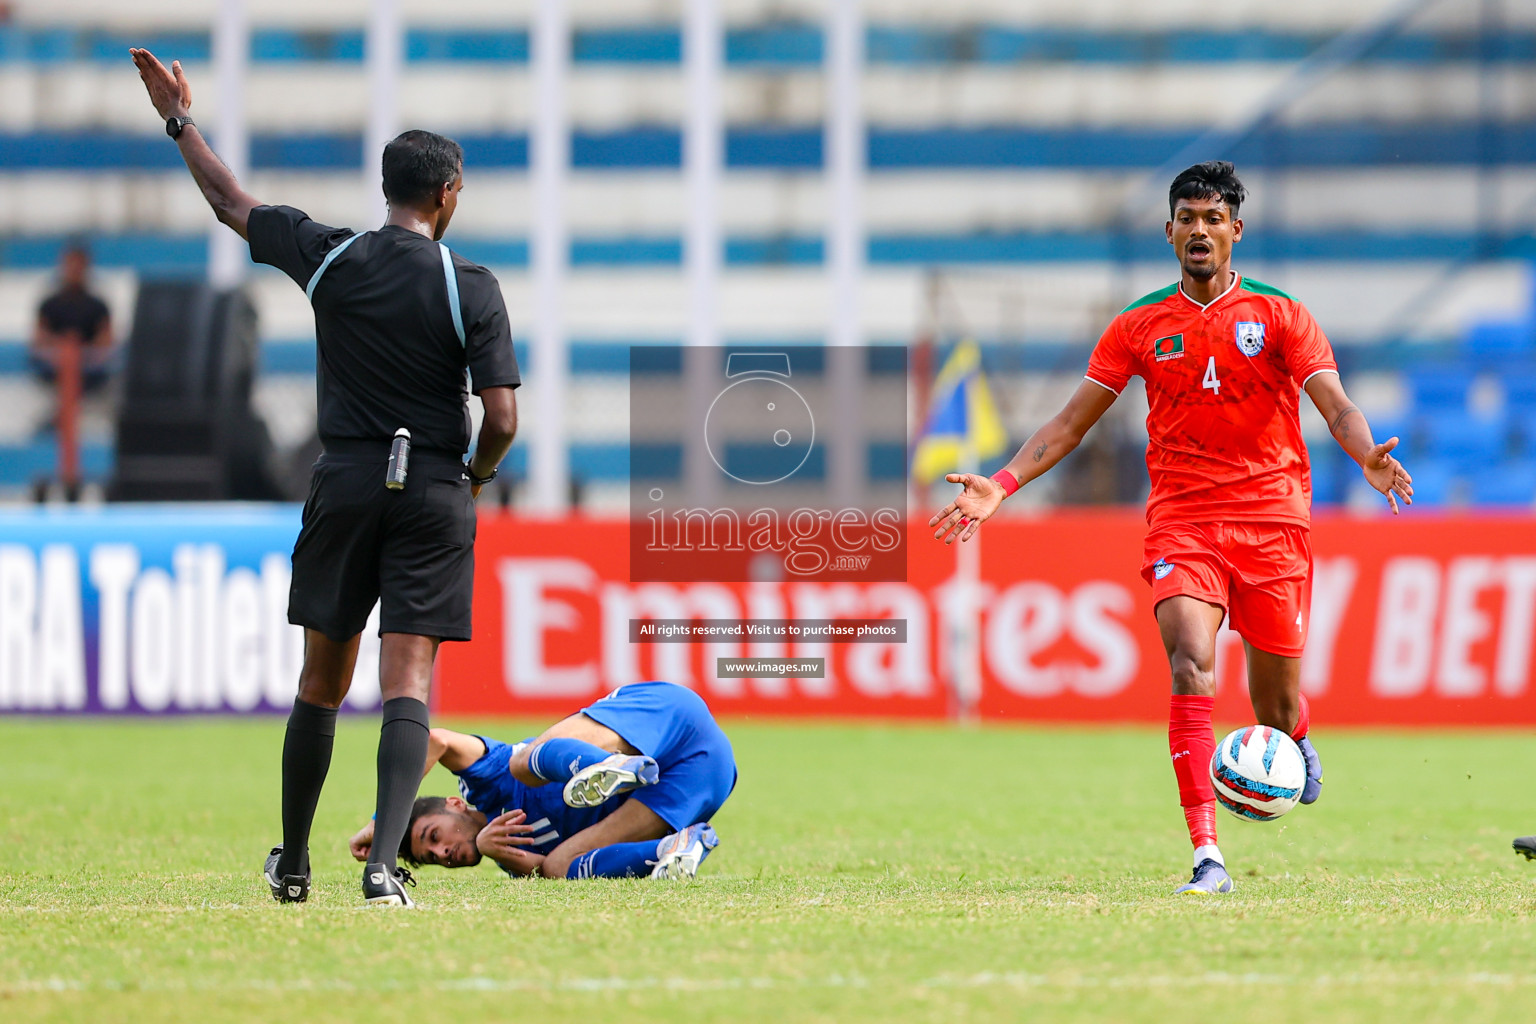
1258, 773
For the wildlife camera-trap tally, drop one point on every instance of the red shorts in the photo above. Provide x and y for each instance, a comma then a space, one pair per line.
1261, 573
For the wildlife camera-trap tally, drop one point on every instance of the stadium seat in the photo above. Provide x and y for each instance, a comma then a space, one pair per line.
1524, 421
1434, 483
1496, 344
1439, 387
1510, 484
1519, 391
1327, 474
1400, 427
1465, 439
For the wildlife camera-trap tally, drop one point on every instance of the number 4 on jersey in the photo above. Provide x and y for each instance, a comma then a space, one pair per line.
1211, 380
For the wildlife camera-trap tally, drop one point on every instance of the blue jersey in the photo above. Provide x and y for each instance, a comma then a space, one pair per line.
661, 720
490, 788
672, 724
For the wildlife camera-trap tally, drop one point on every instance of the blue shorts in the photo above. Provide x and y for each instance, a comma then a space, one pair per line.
672, 724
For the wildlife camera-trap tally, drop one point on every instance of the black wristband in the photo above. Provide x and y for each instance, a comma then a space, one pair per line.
480, 481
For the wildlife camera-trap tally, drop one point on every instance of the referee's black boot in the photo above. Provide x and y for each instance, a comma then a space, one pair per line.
289, 888
383, 887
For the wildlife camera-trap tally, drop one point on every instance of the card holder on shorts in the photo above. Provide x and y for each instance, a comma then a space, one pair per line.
399, 460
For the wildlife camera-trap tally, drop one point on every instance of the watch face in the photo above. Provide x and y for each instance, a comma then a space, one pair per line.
759, 430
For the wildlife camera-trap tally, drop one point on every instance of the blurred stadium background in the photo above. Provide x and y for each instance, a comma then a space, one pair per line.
768, 173
792, 171
762, 173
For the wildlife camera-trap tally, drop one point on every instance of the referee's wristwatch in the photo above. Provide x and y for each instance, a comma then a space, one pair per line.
174, 125
480, 481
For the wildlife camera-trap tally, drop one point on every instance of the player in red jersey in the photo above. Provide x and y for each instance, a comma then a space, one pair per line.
1225, 360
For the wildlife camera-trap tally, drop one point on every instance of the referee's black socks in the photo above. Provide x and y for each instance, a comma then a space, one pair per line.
402, 753
306, 759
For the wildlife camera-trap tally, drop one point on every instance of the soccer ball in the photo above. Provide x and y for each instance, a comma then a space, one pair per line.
1258, 773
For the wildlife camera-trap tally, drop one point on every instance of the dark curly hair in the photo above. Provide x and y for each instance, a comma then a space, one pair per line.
1214, 179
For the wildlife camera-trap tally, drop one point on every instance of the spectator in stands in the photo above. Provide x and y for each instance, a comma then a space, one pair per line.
73, 315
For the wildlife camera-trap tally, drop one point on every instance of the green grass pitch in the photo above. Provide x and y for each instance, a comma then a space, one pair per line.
866, 873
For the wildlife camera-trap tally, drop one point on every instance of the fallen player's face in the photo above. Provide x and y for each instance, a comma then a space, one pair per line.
446, 839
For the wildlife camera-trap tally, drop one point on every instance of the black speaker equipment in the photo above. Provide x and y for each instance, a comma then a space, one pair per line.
185, 427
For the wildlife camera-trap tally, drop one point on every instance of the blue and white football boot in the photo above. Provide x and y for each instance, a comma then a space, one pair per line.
1209, 877
1314, 784
679, 855
609, 777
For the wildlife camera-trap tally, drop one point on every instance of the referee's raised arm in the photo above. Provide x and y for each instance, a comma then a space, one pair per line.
172, 97
405, 329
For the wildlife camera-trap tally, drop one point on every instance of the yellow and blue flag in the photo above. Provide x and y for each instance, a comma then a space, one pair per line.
963, 425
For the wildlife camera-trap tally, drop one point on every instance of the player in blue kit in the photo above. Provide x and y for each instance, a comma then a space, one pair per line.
625, 788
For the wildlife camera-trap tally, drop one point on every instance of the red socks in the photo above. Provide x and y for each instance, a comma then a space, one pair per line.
1191, 744
1201, 820
1303, 719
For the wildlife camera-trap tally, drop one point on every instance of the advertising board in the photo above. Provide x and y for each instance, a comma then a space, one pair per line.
174, 610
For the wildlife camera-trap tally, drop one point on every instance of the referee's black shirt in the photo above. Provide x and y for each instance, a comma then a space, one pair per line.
389, 355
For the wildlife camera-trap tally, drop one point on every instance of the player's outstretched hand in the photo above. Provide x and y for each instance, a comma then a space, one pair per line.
1387, 475
959, 520
168, 90
361, 843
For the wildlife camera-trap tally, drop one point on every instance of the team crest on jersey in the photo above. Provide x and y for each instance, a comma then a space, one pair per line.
1162, 567
1170, 347
1250, 338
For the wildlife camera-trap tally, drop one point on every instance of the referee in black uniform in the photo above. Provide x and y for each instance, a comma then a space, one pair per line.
398, 320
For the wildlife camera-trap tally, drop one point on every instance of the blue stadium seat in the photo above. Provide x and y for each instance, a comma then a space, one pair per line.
1328, 477
1509, 483
1464, 439
1434, 482
1439, 387
1400, 427
1495, 344
1524, 421
1519, 391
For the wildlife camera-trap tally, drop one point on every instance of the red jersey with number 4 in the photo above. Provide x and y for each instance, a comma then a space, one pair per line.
1224, 386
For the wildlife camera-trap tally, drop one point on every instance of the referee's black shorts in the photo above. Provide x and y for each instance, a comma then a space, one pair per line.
411, 550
